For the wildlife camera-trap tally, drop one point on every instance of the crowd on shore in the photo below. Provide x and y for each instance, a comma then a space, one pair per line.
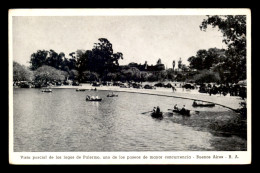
209, 88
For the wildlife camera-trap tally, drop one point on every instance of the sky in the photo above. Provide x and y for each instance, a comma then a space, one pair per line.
139, 38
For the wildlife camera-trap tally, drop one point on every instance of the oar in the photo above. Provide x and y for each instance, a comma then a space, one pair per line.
190, 110
146, 112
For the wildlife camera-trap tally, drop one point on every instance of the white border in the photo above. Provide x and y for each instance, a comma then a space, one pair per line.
244, 157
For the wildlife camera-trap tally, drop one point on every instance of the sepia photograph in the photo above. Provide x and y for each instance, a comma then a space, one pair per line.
131, 86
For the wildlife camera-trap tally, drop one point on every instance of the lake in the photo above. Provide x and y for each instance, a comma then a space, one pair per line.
64, 121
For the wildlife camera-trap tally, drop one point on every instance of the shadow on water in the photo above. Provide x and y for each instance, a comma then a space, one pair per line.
226, 126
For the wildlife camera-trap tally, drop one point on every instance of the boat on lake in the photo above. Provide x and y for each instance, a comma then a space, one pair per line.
157, 115
80, 89
112, 95
202, 104
46, 90
182, 111
94, 100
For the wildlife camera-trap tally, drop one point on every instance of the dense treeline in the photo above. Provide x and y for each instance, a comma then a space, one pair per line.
100, 63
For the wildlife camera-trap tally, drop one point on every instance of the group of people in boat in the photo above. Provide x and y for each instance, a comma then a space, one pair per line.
112, 95
92, 97
178, 109
156, 110
47, 90
202, 104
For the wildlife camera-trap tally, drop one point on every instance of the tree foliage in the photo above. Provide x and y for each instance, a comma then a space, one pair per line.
38, 59
132, 73
101, 59
21, 73
53, 59
206, 76
89, 76
205, 59
47, 74
233, 29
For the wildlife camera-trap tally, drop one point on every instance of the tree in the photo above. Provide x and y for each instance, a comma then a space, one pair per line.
21, 73
173, 64
144, 76
184, 68
205, 59
111, 76
196, 62
53, 59
102, 58
89, 76
179, 63
73, 74
38, 59
159, 61
233, 29
161, 75
47, 74
206, 76
132, 73
170, 74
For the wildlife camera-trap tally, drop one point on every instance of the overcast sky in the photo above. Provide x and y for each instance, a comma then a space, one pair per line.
139, 38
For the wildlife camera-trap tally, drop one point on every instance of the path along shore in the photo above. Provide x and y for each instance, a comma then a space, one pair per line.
231, 102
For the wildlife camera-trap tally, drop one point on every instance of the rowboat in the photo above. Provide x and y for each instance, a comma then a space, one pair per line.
157, 115
203, 104
182, 111
114, 95
93, 100
47, 90
79, 89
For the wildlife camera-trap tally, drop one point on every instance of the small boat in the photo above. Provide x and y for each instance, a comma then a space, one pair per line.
195, 104
88, 98
80, 89
113, 95
182, 111
47, 90
94, 100
157, 115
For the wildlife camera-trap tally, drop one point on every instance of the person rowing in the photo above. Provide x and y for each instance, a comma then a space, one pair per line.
176, 107
183, 108
154, 109
158, 110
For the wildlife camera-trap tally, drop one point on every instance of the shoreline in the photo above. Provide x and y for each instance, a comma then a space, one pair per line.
230, 102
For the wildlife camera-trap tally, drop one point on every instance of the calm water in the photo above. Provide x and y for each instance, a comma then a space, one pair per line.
64, 121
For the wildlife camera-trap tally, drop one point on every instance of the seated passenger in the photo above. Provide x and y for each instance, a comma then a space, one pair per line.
154, 109
176, 107
158, 110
